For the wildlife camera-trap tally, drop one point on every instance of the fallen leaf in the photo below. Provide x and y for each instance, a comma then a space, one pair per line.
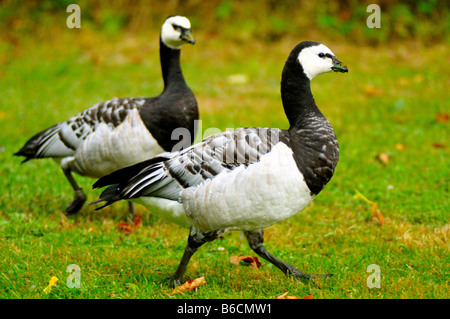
310, 296
383, 158
372, 91
442, 117
438, 145
127, 228
376, 214
398, 118
245, 260
51, 284
285, 296
400, 147
282, 296
137, 221
189, 285
345, 15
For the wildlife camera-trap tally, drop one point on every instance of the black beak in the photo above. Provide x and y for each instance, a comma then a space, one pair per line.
187, 36
338, 66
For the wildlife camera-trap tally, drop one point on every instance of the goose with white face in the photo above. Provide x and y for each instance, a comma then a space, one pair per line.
175, 31
319, 59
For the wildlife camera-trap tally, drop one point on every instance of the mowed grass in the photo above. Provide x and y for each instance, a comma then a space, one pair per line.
394, 100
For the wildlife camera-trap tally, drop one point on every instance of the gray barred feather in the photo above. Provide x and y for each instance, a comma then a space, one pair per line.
196, 164
64, 138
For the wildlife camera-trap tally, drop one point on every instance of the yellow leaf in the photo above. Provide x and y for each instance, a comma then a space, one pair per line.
285, 296
364, 197
52, 283
383, 158
189, 285
376, 214
371, 90
282, 296
400, 147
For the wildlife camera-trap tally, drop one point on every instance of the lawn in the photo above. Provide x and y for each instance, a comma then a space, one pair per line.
391, 117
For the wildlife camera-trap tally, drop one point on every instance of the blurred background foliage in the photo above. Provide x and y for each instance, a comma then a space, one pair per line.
268, 20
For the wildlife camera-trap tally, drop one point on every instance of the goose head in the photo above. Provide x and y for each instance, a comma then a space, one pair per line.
176, 31
316, 58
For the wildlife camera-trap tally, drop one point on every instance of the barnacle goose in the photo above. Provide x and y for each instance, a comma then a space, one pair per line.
246, 179
117, 133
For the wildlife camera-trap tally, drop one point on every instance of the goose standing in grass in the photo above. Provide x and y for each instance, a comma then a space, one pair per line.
247, 179
121, 132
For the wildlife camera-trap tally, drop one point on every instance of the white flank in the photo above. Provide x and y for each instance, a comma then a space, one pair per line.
258, 196
110, 148
168, 210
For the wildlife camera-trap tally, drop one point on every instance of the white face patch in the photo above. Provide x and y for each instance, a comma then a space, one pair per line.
170, 35
312, 63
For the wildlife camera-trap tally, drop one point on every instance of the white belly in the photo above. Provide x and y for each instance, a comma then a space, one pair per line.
258, 196
168, 210
111, 148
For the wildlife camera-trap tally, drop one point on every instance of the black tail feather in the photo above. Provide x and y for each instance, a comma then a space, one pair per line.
117, 180
31, 147
125, 174
109, 195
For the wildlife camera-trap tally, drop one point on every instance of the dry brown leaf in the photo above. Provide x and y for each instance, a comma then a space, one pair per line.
442, 117
400, 147
245, 260
189, 285
282, 296
127, 228
383, 158
438, 145
372, 91
398, 118
285, 296
376, 214
310, 296
137, 221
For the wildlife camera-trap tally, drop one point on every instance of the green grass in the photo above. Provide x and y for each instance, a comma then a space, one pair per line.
391, 95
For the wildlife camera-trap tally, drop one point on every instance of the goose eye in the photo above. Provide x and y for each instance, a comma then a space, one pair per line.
321, 55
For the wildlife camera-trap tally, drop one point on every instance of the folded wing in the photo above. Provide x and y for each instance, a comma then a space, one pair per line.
167, 175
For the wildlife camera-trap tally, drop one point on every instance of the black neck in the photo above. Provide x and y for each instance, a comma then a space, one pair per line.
170, 66
312, 139
298, 101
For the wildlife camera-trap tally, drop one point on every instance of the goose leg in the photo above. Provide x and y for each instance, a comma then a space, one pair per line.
79, 198
132, 211
195, 240
256, 239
